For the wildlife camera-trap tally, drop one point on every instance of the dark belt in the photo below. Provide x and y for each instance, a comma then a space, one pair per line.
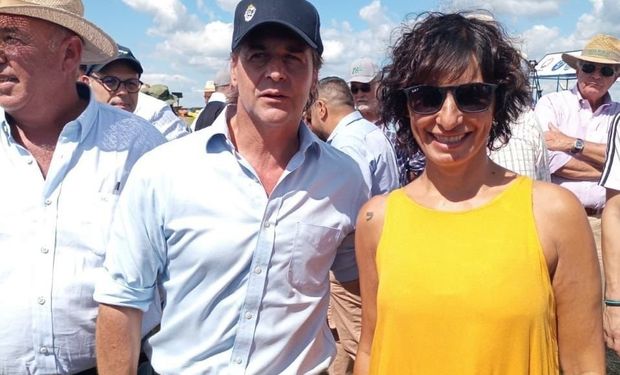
590, 211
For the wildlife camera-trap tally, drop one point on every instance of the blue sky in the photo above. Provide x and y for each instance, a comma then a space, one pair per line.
182, 43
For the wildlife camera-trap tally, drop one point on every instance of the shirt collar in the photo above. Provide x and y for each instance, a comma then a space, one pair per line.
344, 122
217, 97
606, 98
219, 130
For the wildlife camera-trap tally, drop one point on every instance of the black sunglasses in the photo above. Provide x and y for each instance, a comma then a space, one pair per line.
363, 87
112, 83
469, 98
606, 71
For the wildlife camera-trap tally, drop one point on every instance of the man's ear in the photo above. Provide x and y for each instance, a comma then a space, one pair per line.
84, 79
72, 52
234, 62
322, 109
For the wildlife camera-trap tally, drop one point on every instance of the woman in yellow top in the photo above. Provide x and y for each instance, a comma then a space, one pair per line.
471, 269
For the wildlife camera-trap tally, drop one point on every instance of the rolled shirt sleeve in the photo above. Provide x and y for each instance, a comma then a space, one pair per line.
136, 249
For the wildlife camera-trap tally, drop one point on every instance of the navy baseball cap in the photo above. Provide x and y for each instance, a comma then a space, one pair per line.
298, 15
125, 55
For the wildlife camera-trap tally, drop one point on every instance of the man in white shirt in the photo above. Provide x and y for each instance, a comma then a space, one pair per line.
243, 258
117, 82
65, 159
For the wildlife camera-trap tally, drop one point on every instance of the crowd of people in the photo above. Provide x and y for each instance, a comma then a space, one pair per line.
425, 217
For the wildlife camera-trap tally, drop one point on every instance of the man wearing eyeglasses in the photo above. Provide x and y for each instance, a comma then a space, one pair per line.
117, 82
364, 82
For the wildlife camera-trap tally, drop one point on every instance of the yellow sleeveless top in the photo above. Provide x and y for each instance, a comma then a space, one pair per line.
464, 293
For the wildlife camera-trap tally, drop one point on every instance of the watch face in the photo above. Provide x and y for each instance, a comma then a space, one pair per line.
578, 147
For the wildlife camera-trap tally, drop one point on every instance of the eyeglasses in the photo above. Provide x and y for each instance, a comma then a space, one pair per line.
112, 83
469, 98
363, 87
606, 71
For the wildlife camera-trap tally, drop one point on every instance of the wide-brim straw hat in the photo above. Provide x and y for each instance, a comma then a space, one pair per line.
602, 49
98, 46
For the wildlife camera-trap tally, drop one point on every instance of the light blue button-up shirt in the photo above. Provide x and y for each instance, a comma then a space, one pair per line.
161, 116
366, 143
244, 275
52, 234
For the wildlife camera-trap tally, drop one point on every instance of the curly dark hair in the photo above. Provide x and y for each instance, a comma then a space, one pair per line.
440, 47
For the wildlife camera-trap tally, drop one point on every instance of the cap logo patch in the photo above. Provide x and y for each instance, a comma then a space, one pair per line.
249, 13
356, 70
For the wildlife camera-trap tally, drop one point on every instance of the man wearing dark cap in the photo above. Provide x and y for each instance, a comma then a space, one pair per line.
64, 159
117, 82
243, 258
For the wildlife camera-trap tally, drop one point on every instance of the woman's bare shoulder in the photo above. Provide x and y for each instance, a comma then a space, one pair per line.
372, 212
552, 200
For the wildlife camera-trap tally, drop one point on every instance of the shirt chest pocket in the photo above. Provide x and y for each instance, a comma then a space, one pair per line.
88, 219
313, 252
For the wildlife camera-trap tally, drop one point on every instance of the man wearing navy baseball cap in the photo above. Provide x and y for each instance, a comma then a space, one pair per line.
242, 258
117, 82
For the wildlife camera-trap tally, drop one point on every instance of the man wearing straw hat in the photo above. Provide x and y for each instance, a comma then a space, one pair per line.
243, 258
577, 123
64, 159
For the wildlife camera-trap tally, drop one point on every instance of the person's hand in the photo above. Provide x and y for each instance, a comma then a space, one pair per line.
555, 140
611, 327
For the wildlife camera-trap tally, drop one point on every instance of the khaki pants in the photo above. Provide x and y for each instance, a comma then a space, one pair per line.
346, 316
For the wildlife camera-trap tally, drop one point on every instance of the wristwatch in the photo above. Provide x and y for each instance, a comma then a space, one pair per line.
578, 146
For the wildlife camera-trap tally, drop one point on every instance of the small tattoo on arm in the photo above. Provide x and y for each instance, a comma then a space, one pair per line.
369, 215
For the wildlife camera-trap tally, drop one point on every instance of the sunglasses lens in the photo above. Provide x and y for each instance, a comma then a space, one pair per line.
588, 68
607, 71
474, 97
365, 87
425, 99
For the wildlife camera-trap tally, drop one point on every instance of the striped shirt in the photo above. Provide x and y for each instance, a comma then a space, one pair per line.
525, 153
611, 172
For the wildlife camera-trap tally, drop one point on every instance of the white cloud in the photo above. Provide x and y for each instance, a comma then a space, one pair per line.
603, 18
228, 5
374, 13
208, 45
168, 15
507, 7
343, 43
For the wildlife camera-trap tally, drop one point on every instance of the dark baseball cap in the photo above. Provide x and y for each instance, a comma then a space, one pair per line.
298, 15
125, 55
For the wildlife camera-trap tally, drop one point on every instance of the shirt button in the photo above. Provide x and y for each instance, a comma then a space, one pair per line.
45, 250
267, 225
47, 202
248, 315
29, 161
43, 350
41, 300
258, 270
238, 361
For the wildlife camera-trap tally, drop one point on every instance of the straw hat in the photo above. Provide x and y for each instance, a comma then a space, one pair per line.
98, 46
602, 49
